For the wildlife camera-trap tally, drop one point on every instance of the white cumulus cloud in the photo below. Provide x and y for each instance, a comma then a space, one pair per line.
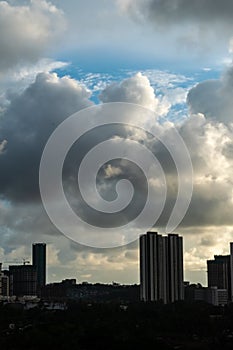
27, 31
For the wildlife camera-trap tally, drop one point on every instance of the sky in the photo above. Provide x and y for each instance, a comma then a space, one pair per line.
173, 59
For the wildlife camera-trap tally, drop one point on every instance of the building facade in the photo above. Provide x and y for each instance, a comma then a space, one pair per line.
161, 267
219, 273
4, 283
39, 263
22, 280
1, 274
211, 295
231, 269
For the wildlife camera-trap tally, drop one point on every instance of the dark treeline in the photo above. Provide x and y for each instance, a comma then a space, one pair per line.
113, 326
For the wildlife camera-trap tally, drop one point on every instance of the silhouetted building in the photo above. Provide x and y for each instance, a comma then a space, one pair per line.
231, 269
190, 291
7, 283
23, 280
39, 263
211, 295
4, 283
59, 290
1, 274
219, 273
161, 267
5, 286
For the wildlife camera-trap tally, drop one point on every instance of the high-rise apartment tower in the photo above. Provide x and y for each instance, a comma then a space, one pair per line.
39, 262
161, 267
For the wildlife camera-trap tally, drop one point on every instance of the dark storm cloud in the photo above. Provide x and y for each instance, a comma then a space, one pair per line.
202, 25
177, 11
27, 124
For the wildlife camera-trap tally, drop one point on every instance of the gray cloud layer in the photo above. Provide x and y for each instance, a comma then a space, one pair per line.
34, 114
166, 11
27, 124
27, 31
196, 25
213, 98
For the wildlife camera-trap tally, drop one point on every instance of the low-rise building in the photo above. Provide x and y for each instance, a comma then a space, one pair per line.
211, 295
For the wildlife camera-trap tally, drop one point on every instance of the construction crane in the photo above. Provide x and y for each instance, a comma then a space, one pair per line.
24, 261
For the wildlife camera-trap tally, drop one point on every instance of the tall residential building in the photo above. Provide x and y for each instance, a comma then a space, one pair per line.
1, 274
231, 269
4, 283
161, 267
39, 263
23, 280
219, 273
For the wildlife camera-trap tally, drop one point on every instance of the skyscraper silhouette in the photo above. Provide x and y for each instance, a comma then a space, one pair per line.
219, 273
161, 267
39, 262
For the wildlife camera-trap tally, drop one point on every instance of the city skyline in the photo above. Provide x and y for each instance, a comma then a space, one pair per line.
155, 251
161, 278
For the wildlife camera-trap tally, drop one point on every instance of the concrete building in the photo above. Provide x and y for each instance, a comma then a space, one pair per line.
219, 273
211, 295
161, 267
1, 274
39, 263
23, 280
4, 283
222, 297
231, 269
